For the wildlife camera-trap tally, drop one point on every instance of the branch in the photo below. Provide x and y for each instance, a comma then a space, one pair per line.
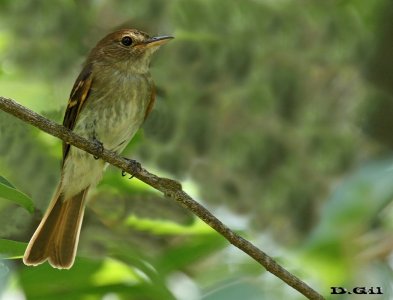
168, 187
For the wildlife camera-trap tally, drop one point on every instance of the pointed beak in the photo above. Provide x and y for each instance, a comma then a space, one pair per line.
158, 40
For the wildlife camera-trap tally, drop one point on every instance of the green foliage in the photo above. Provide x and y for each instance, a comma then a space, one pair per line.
91, 279
9, 192
364, 199
11, 249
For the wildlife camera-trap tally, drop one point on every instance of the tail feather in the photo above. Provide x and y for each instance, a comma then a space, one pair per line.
56, 238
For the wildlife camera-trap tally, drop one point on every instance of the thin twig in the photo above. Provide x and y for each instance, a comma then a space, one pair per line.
168, 187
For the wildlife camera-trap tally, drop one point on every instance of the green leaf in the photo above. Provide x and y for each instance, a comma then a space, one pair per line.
88, 279
165, 227
9, 192
6, 182
11, 249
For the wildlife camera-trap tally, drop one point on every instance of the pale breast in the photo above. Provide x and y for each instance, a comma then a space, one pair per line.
112, 115
116, 111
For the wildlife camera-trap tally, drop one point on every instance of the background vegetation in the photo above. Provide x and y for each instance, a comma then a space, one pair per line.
277, 115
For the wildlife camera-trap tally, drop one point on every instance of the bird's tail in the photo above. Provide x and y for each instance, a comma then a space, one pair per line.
56, 238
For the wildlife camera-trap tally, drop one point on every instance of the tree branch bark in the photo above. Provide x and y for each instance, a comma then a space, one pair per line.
168, 187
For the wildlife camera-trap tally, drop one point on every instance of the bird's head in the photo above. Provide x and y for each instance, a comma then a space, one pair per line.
127, 49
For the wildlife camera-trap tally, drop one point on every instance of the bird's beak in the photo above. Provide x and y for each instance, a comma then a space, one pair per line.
158, 41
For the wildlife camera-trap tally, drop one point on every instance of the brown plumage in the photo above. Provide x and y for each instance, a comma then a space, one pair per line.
112, 96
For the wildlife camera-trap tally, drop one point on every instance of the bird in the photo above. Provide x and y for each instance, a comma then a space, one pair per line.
110, 99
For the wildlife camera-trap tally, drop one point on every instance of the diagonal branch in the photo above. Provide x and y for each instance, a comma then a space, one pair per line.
168, 187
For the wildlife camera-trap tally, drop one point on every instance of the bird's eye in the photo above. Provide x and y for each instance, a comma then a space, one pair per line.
126, 41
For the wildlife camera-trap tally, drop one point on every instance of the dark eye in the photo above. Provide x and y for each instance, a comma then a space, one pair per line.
126, 41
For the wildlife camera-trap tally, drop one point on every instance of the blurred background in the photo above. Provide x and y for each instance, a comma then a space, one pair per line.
276, 115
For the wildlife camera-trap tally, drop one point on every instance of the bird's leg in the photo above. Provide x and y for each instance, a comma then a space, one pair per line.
99, 146
134, 166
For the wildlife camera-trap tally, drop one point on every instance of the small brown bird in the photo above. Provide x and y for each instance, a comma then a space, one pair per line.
109, 101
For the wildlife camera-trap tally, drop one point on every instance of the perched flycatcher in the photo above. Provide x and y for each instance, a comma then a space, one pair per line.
109, 101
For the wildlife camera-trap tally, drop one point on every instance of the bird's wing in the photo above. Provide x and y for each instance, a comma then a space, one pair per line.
79, 94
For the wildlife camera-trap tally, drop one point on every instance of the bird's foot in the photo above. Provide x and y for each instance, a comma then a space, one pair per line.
99, 146
134, 166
